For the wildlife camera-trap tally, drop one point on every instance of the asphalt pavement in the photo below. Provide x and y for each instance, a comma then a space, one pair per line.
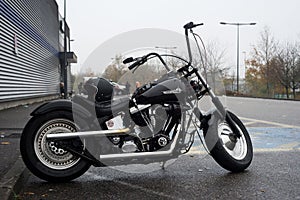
272, 175
12, 170
277, 111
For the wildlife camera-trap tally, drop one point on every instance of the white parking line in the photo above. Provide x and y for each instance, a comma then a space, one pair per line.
257, 150
249, 123
268, 122
284, 147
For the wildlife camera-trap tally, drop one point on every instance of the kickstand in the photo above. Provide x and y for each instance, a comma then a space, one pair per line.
163, 165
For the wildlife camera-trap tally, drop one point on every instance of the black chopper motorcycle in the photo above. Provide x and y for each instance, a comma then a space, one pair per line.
160, 121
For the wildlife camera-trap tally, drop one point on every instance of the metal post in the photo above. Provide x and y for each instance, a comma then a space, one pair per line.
238, 49
65, 55
238, 58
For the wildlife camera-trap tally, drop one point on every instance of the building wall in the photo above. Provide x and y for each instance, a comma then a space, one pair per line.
29, 49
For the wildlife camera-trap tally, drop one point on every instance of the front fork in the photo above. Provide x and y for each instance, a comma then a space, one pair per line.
224, 115
220, 108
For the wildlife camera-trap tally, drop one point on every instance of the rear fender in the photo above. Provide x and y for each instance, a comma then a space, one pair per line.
62, 105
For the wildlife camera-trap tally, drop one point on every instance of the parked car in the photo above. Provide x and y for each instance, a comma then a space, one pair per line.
119, 89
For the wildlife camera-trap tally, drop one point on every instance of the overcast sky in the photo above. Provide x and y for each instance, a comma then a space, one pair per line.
92, 21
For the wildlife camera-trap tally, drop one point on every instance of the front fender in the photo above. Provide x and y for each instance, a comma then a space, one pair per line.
62, 104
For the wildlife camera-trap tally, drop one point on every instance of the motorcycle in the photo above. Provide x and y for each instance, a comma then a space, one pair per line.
160, 122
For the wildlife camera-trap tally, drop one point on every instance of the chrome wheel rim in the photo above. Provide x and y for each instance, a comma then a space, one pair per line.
237, 149
46, 151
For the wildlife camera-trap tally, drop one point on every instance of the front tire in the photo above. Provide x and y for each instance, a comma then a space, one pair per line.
234, 156
43, 158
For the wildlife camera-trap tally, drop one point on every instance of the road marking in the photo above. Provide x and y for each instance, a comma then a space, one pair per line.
196, 150
95, 176
268, 122
274, 149
249, 123
291, 145
255, 150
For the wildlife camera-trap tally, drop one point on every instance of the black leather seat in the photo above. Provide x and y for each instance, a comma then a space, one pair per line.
105, 108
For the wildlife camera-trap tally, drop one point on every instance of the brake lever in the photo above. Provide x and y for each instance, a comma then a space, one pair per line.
139, 62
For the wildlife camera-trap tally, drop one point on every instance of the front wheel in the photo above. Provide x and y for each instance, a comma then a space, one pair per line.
42, 157
232, 153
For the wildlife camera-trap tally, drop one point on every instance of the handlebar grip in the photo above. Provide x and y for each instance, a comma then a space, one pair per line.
191, 25
128, 60
134, 65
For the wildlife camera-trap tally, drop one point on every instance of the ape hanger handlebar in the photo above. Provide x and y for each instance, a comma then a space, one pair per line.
141, 60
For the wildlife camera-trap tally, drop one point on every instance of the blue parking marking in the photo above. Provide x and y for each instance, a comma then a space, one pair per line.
275, 137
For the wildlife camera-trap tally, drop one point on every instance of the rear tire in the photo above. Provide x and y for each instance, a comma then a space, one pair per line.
42, 157
233, 156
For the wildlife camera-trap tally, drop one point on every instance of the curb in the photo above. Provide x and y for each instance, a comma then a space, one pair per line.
13, 181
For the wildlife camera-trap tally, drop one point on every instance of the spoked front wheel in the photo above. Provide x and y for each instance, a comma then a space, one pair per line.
232, 153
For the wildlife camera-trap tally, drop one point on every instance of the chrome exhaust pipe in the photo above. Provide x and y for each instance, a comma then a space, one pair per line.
88, 134
122, 158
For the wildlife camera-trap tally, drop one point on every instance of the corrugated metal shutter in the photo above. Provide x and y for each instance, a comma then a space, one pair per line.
29, 61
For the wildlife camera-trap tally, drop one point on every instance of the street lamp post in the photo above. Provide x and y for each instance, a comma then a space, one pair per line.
166, 48
238, 48
245, 60
65, 53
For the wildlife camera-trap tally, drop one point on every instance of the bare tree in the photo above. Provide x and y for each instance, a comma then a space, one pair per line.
282, 67
116, 69
287, 66
264, 52
215, 57
215, 60
295, 68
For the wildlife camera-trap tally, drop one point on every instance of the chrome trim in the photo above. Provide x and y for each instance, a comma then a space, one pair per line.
176, 91
88, 133
134, 110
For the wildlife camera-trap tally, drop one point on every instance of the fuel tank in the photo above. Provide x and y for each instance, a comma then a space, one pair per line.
168, 91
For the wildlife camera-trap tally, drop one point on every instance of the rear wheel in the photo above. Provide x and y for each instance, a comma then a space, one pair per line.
45, 159
232, 153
